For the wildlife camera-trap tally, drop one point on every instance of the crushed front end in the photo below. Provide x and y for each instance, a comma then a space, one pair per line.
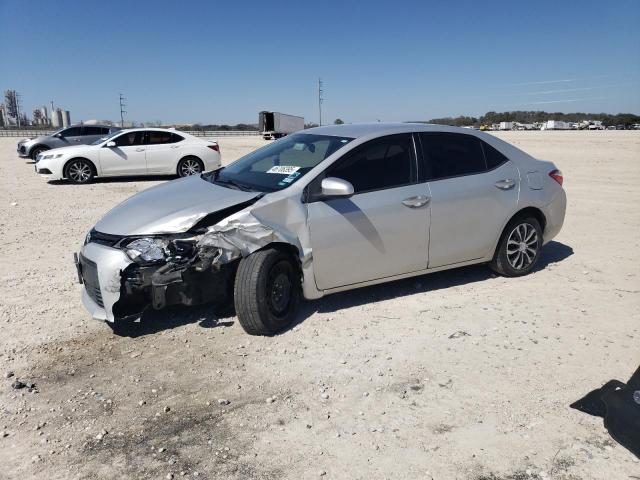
123, 276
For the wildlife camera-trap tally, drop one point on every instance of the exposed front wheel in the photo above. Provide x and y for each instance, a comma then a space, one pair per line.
79, 171
37, 151
519, 248
267, 292
190, 166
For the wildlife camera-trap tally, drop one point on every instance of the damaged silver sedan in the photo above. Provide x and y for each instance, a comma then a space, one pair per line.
327, 210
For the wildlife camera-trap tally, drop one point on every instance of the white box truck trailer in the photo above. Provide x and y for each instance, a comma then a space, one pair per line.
556, 125
275, 125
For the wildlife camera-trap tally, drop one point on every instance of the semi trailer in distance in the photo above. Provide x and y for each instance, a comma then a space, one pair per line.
275, 125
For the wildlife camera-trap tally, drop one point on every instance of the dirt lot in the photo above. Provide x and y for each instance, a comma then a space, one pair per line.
459, 374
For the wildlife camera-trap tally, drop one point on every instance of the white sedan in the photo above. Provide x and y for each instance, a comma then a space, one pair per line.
137, 151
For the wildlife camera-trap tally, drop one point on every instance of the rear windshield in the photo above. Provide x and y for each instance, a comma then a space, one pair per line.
279, 164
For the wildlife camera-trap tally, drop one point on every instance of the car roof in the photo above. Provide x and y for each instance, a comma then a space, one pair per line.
367, 131
356, 130
94, 125
155, 129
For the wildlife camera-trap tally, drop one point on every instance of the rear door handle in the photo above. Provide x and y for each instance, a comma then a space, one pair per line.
175, 146
416, 202
506, 184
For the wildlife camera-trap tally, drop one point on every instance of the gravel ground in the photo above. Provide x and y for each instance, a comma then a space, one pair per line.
458, 374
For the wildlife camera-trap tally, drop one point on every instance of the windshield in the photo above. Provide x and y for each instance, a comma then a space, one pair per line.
279, 164
108, 137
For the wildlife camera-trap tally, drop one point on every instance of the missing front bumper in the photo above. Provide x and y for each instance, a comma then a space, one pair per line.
117, 288
171, 284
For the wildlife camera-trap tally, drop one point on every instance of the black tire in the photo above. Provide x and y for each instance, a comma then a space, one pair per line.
519, 248
79, 171
190, 166
37, 151
267, 292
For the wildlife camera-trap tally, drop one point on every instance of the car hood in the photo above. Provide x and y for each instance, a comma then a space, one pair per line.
172, 207
72, 149
41, 138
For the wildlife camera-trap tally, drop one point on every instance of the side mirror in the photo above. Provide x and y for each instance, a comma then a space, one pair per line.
110, 144
336, 188
58, 135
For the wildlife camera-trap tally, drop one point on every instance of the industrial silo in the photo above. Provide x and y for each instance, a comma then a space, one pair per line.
66, 118
56, 118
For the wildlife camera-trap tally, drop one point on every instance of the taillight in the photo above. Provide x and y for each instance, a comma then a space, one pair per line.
214, 146
557, 176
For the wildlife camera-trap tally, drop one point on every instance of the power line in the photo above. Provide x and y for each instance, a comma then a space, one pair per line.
122, 110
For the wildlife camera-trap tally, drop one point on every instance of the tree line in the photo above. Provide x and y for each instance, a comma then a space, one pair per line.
243, 127
520, 116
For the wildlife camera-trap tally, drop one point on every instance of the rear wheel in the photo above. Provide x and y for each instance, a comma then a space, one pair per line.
267, 292
519, 248
37, 151
79, 171
190, 166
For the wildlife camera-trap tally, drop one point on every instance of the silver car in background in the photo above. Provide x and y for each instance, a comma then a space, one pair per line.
321, 211
65, 137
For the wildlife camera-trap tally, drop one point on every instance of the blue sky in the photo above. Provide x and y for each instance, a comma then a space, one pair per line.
222, 62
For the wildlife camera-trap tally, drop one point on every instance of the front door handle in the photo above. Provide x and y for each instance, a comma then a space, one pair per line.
139, 149
506, 184
416, 202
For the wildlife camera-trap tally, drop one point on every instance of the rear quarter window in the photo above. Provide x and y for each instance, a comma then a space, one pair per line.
493, 157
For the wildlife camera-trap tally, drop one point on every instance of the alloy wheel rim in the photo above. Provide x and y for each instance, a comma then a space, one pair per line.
79, 172
522, 246
190, 167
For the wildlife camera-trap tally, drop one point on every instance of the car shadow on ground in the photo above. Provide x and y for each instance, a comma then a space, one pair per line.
553, 252
212, 316
135, 178
154, 321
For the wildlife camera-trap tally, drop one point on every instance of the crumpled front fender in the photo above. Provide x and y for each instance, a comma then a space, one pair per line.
276, 218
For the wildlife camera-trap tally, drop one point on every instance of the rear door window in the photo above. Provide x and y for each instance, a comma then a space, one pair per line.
93, 131
157, 137
447, 155
385, 162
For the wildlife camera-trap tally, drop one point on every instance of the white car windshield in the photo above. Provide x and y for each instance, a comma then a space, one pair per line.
279, 164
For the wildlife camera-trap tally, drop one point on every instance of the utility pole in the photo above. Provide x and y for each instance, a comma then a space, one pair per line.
18, 109
320, 99
122, 111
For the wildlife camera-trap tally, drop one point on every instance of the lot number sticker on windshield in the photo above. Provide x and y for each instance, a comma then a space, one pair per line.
283, 169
